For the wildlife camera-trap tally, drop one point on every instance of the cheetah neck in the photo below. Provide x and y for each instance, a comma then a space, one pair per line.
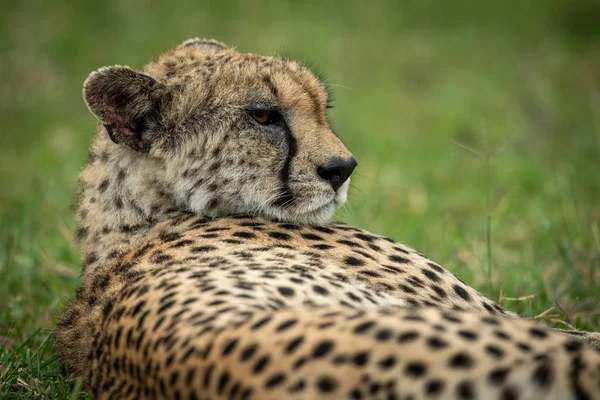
120, 199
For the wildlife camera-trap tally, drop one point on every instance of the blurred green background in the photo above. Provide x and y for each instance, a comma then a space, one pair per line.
476, 125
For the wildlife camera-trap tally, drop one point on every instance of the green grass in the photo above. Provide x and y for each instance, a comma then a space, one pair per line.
475, 124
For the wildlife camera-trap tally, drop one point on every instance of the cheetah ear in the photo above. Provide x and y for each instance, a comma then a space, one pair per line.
205, 45
126, 102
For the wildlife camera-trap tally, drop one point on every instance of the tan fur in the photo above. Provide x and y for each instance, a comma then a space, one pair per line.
179, 299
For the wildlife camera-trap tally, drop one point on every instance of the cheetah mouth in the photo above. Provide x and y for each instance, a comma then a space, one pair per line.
305, 214
310, 209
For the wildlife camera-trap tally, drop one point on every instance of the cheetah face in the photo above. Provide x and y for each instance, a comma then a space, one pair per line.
231, 133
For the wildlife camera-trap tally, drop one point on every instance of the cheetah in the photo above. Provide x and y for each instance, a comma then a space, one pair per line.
210, 271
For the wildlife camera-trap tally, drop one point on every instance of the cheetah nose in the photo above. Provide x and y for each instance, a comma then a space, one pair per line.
337, 171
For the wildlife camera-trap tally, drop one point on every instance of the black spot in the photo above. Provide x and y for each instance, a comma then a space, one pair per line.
223, 380
573, 346
340, 359
293, 345
189, 378
431, 275
81, 233
248, 352
468, 335
323, 229
451, 317
538, 333
323, 348
490, 321
465, 390
138, 308
392, 269
299, 363
244, 235
413, 317
103, 186
290, 227
374, 388
261, 364
361, 358
408, 337
327, 384
166, 306
489, 308
524, 347
434, 387
229, 347
439, 291
353, 261
366, 238
320, 290
310, 236
436, 343
462, 292
159, 322
286, 325
170, 236
494, 351
399, 259
415, 369
260, 323
280, 235
322, 246
353, 297
502, 335
202, 249
182, 243
286, 291
461, 360
275, 380
498, 376
215, 166
509, 393
375, 247
407, 289
246, 394
370, 273
90, 259
349, 243
298, 386
542, 375
436, 267
387, 362
364, 327
208, 375
160, 258
383, 335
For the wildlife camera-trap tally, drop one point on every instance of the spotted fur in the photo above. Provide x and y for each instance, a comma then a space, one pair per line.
180, 298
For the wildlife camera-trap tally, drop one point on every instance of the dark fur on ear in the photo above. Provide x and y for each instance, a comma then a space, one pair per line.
205, 45
126, 102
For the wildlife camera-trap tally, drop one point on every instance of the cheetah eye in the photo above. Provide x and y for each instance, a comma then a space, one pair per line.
265, 117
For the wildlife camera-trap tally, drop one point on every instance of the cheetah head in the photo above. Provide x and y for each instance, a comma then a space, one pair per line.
226, 133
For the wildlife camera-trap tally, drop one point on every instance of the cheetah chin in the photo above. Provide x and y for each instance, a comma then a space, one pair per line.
317, 212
